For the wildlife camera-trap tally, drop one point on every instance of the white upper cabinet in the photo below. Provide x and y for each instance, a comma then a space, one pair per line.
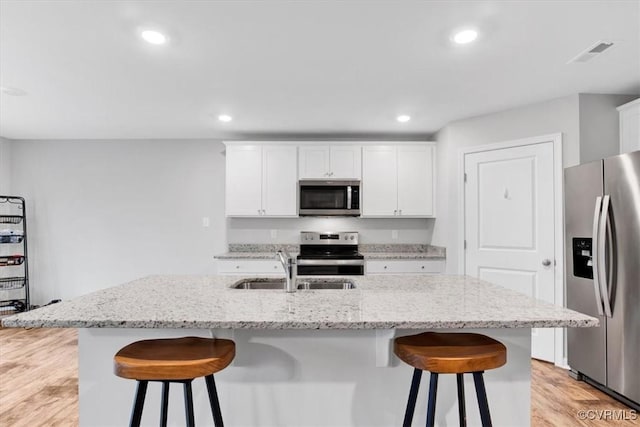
415, 180
346, 161
313, 161
279, 182
379, 189
261, 180
243, 185
329, 162
398, 180
630, 126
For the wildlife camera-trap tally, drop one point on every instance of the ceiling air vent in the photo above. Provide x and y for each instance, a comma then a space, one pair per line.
592, 51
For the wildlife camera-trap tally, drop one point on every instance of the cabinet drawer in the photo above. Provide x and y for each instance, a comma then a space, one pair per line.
244, 266
404, 266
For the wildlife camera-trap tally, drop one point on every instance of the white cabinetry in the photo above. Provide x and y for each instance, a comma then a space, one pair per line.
404, 266
398, 180
329, 161
249, 266
630, 126
261, 180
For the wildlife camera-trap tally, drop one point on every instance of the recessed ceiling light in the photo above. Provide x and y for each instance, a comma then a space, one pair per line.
403, 118
154, 37
13, 91
225, 118
465, 36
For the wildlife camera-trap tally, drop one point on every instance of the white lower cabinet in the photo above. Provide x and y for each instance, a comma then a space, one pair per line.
273, 267
404, 266
253, 266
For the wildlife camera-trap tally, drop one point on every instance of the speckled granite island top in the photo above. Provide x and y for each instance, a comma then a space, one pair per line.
378, 302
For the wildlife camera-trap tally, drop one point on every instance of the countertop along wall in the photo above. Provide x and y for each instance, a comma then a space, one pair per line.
106, 212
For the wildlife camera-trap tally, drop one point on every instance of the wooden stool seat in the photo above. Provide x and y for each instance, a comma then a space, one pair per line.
445, 353
173, 358
454, 353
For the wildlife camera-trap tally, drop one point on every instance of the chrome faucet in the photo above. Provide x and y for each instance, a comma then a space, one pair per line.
290, 269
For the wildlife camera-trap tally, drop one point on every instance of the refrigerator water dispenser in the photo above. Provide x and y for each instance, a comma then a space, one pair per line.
582, 257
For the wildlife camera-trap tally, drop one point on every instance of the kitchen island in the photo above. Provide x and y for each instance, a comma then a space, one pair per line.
310, 358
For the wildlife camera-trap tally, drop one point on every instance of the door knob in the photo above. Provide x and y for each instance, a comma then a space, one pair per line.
546, 262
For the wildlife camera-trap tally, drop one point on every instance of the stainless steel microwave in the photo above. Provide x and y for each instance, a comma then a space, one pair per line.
329, 198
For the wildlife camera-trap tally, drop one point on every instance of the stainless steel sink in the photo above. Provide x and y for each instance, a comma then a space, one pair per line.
326, 284
259, 284
313, 284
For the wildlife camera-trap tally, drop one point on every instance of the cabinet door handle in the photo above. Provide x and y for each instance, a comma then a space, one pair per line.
395, 211
385, 267
422, 267
400, 212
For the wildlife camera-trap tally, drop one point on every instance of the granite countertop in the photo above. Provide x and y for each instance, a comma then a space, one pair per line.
378, 302
370, 251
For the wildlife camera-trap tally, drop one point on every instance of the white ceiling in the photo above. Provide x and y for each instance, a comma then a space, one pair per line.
297, 68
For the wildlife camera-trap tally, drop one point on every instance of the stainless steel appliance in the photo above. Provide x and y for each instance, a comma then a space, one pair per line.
329, 198
329, 253
602, 247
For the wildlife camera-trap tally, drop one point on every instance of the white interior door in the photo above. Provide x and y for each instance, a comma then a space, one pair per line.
509, 224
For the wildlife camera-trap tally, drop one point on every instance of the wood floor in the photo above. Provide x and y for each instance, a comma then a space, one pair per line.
39, 385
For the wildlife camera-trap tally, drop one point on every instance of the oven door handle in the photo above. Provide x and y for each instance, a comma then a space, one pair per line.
330, 261
349, 197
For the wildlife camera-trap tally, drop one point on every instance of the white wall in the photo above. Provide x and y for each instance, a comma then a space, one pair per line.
558, 115
600, 125
372, 230
5, 167
589, 127
105, 212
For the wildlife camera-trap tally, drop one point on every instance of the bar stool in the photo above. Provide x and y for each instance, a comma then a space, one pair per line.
174, 360
449, 353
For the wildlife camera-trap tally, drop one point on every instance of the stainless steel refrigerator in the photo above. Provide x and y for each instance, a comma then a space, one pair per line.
602, 250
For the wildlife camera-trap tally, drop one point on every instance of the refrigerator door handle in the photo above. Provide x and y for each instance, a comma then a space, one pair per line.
602, 238
595, 253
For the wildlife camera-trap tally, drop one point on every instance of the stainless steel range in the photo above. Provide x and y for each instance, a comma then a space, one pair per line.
330, 253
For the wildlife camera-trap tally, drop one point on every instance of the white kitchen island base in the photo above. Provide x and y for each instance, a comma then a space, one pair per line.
300, 378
